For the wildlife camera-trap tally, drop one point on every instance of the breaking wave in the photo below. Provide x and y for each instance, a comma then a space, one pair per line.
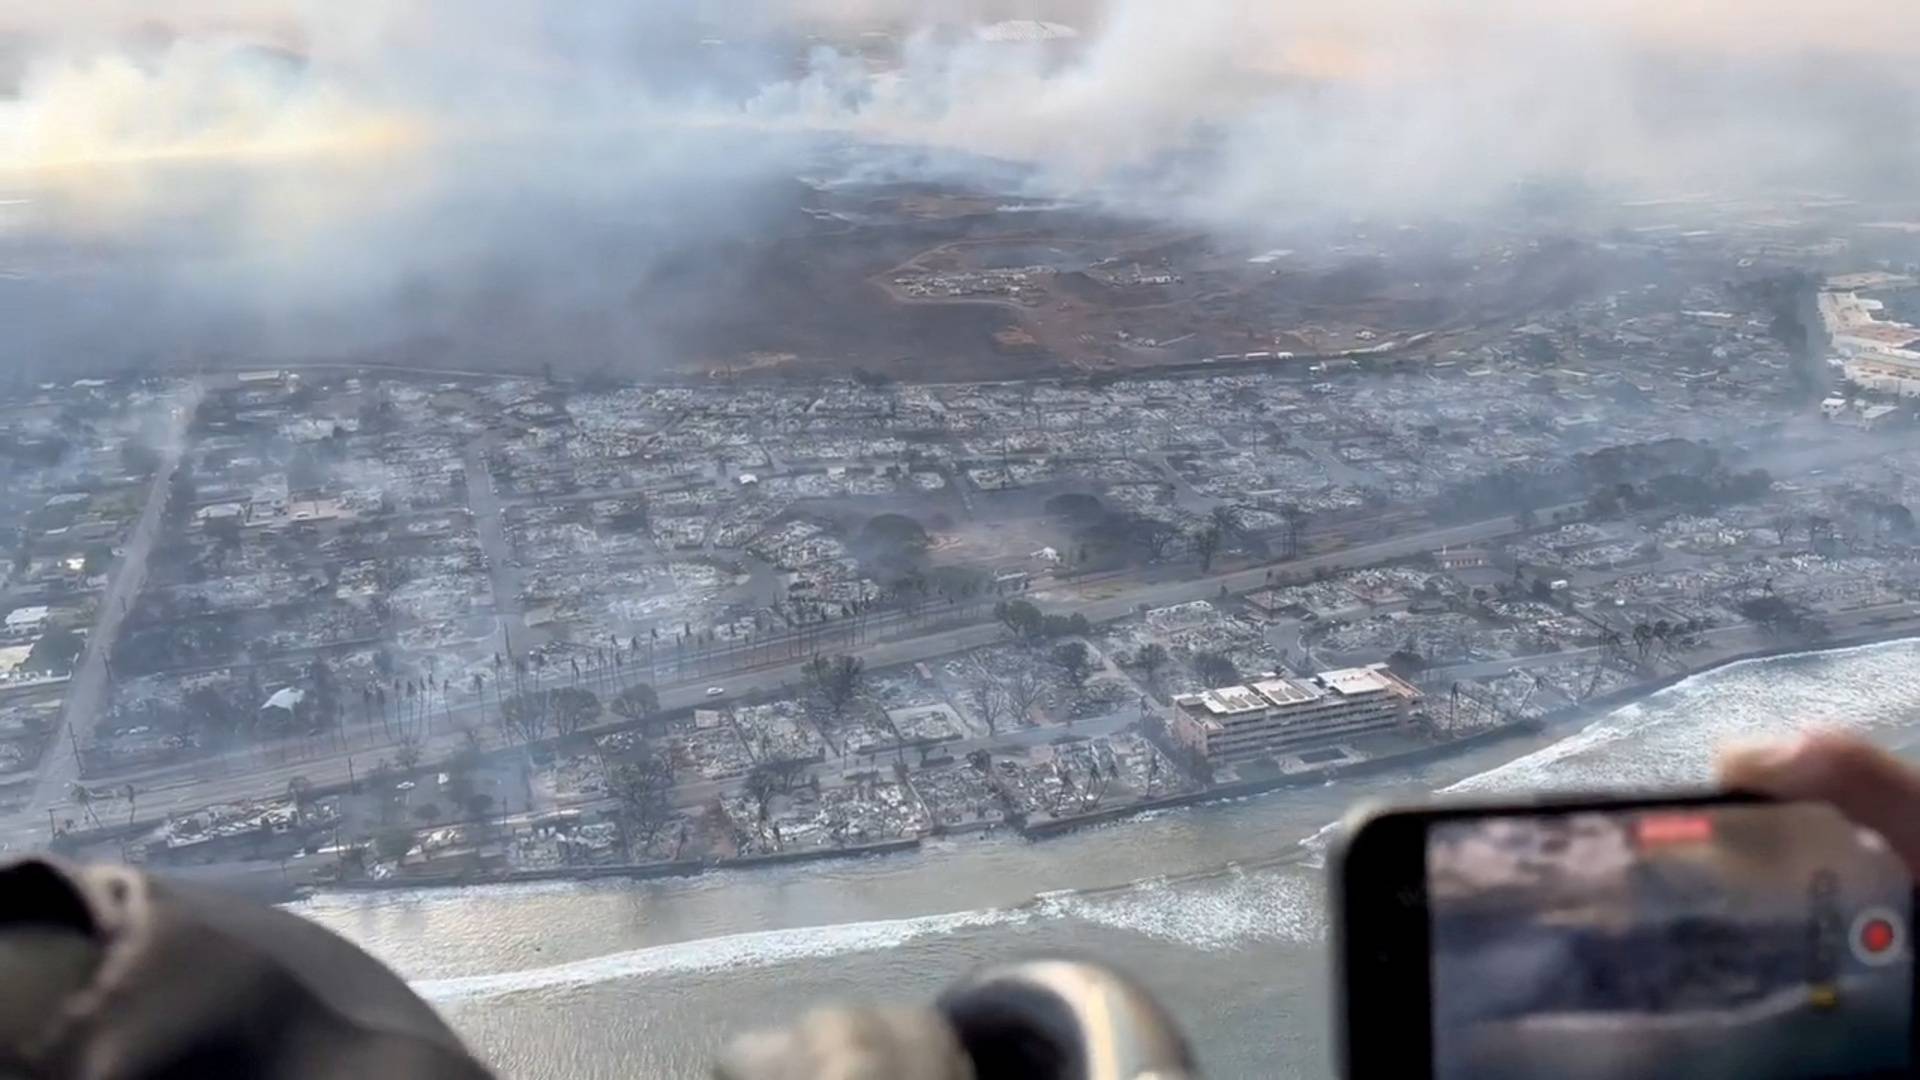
1214, 909
762, 948
1220, 912
1670, 738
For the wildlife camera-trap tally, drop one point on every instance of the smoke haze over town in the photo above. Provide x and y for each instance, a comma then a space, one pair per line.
638, 445
597, 185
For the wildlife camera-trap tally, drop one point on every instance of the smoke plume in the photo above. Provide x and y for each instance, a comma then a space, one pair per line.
487, 183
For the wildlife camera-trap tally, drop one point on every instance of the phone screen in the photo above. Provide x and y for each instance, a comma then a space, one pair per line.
1735, 940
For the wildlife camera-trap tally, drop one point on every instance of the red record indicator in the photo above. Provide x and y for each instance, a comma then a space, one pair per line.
1878, 937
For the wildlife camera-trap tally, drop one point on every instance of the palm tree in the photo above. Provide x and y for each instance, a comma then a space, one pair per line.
1296, 520
1226, 518
1610, 641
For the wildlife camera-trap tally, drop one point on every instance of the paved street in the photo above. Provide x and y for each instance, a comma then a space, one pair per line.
483, 499
262, 773
87, 691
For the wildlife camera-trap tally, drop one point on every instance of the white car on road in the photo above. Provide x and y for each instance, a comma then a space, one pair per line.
716, 691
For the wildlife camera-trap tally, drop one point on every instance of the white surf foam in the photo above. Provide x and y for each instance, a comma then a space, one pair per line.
1316, 845
729, 952
1216, 911
1281, 903
1671, 737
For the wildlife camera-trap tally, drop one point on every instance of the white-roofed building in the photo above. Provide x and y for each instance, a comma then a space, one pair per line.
26, 621
1279, 714
286, 698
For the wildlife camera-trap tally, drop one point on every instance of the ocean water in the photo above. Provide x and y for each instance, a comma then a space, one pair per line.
1220, 908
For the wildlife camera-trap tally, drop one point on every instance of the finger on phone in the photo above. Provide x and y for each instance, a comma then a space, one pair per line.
1866, 783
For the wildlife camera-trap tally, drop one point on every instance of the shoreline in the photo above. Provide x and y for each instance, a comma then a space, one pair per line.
1554, 723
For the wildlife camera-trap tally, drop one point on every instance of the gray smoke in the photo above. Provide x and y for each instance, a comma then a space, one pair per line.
485, 183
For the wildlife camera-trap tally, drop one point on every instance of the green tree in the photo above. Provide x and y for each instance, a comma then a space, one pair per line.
1077, 508
524, 716
1020, 618
1406, 661
1215, 670
98, 561
636, 702
393, 844
573, 708
408, 754
1151, 658
835, 678
894, 541
1055, 626
1072, 660
895, 531
1152, 536
55, 652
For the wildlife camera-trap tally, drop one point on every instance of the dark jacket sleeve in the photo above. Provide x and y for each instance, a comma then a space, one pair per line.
113, 974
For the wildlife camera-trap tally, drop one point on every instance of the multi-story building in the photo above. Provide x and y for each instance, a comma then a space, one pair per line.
1886, 373
1278, 714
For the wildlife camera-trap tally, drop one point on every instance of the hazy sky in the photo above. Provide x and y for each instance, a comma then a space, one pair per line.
1617, 88
374, 162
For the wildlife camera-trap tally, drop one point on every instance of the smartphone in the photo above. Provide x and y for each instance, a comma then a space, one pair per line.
1695, 936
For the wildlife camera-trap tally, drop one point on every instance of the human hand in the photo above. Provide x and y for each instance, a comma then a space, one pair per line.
1865, 782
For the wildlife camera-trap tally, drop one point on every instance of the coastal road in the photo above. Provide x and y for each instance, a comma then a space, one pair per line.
243, 775
87, 690
267, 780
